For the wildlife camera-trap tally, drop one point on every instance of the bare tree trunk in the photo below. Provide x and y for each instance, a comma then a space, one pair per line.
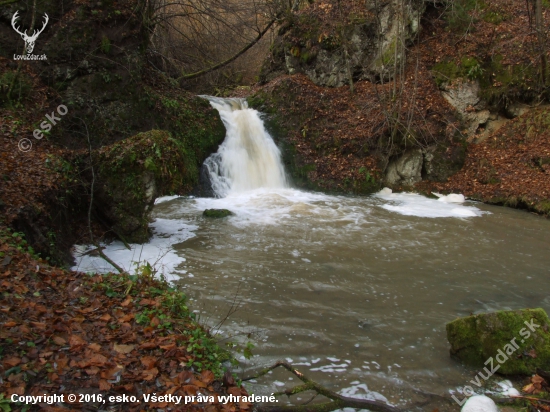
346, 50
540, 35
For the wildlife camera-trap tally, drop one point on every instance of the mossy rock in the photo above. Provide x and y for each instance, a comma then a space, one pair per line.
132, 173
499, 82
217, 213
517, 342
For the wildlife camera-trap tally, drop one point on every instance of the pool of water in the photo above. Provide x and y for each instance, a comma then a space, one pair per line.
354, 291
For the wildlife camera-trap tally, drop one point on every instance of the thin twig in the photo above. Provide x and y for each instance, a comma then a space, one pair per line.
99, 249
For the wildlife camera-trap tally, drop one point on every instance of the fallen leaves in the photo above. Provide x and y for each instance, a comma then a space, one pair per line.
72, 337
537, 385
123, 348
506, 168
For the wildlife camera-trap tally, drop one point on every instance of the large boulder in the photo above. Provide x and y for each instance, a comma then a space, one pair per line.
134, 172
406, 170
463, 95
443, 161
508, 342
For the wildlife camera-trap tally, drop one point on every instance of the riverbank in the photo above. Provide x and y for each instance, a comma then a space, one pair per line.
109, 335
510, 167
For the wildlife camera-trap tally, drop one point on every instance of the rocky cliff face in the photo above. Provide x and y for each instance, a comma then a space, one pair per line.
334, 43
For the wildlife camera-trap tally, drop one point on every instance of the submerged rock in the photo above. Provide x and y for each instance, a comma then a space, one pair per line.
217, 213
507, 342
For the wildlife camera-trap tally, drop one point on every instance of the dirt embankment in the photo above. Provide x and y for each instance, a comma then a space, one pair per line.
72, 128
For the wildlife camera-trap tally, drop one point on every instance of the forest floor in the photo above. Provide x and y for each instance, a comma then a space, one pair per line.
110, 335
65, 332
511, 167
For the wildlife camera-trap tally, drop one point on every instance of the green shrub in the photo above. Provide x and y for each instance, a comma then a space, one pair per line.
458, 16
20, 86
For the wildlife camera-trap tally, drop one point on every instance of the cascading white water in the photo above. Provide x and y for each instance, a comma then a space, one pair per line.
248, 158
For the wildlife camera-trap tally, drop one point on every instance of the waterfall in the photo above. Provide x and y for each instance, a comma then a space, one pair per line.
248, 157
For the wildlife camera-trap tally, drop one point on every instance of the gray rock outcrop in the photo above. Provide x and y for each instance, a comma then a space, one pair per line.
369, 46
406, 170
463, 95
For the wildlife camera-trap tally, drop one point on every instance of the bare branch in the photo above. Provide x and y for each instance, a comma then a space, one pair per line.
337, 401
226, 62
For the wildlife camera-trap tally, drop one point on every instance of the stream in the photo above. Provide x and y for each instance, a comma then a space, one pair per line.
353, 291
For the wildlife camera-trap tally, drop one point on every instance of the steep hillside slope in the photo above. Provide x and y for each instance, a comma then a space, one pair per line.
96, 88
416, 102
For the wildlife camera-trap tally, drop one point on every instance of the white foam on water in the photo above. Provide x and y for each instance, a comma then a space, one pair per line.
451, 198
507, 389
413, 204
158, 251
276, 206
247, 170
331, 368
163, 199
362, 391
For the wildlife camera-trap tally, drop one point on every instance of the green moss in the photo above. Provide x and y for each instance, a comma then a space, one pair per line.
217, 213
496, 79
475, 339
105, 45
257, 101
458, 16
445, 71
307, 55
511, 81
542, 207
21, 87
159, 162
387, 57
494, 17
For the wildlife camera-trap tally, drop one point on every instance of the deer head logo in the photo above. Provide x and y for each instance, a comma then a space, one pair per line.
29, 40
